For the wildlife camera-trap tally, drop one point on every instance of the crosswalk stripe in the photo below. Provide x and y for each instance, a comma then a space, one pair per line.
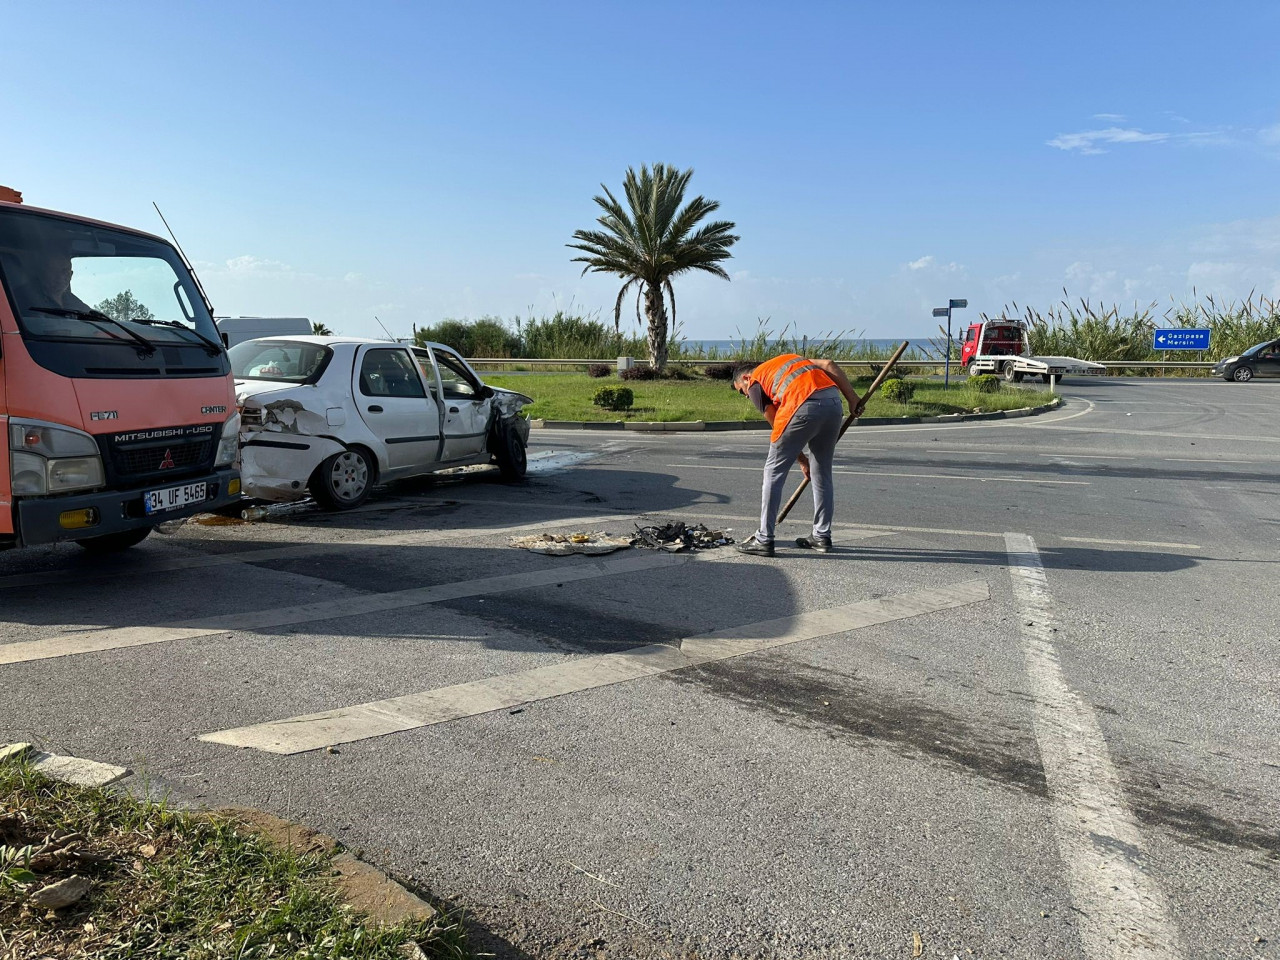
93, 641
374, 719
295, 551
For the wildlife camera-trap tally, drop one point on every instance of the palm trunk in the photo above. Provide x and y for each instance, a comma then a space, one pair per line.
655, 310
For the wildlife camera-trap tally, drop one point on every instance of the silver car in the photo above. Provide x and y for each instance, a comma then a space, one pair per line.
332, 416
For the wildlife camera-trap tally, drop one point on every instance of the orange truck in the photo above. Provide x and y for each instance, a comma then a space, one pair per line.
116, 396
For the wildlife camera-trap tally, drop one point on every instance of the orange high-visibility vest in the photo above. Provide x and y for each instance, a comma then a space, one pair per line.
787, 382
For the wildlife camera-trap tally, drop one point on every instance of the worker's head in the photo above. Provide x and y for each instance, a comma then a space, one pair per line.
742, 377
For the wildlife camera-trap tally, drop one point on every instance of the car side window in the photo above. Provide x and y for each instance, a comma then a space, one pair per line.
390, 373
457, 381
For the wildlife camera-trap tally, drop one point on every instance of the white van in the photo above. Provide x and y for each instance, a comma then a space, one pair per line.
239, 329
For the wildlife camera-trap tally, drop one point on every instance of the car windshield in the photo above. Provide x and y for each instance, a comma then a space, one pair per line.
73, 281
293, 360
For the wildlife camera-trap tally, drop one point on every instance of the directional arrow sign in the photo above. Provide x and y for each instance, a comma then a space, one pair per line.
941, 312
959, 304
1181, 338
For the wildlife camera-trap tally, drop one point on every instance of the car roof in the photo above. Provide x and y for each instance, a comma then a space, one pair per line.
351, 341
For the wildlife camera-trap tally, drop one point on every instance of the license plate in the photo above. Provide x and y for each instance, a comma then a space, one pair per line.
172, 498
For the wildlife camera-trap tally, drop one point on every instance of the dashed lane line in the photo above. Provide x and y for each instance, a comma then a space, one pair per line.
414, 538
882, 473
382, 717
94, 641
1123, 914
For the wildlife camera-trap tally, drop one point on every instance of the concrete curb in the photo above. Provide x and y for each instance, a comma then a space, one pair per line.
685, 426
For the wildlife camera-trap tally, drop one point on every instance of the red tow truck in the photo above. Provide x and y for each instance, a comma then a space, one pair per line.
1003, 347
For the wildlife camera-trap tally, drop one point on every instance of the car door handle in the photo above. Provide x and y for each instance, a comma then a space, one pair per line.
453, 409
375, 409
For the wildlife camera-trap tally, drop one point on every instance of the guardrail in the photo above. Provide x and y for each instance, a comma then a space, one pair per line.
492, 362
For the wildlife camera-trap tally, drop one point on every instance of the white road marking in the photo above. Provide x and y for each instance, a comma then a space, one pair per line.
857, 531
884, 473
1086, 456
294, 551
93, 641
378, 718
1211, 460
1122, 912
1135, 543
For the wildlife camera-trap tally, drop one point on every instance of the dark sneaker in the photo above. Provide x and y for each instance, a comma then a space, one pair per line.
754, 547
821, 544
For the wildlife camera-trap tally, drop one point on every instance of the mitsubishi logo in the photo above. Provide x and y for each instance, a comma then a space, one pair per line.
167, 462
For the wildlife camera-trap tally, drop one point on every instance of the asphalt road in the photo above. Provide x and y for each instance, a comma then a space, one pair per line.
1028, 708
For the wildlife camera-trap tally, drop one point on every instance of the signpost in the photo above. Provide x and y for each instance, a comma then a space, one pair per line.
946, 312
1181, 338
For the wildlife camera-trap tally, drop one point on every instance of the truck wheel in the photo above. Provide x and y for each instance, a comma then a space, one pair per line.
510, 454
972, 369
1007, 371
115, 542
343, 480
1047, 377
1242, 374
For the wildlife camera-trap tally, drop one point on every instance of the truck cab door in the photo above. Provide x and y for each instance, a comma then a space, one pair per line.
392, 399
466, 406
970, 348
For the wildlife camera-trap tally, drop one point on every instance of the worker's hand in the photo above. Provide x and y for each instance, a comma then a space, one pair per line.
803, 460
859, 406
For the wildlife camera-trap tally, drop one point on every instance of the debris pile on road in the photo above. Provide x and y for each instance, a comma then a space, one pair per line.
559, 545
676, 537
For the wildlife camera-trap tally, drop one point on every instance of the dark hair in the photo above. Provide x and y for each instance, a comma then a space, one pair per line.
740, 370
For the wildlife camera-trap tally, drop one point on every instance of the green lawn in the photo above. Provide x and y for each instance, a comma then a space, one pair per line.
567, 396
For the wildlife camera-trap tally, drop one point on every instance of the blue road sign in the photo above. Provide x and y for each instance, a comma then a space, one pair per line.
1181, 338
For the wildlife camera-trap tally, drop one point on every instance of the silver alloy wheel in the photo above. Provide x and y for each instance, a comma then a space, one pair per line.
349, 476
1242, 374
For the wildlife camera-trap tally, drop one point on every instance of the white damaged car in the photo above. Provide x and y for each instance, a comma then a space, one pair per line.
332, 416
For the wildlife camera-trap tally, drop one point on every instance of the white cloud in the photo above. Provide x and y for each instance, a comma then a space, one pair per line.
1110, 117
1270, 135
930, 264
249, 264
1088, 141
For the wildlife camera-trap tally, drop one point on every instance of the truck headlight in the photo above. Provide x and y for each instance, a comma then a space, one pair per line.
229, 445
44, 459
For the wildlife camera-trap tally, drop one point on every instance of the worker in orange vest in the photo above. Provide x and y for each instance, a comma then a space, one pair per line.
800, 398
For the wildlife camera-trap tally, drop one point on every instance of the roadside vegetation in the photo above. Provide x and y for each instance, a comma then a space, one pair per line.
161, 883
1109, 334
572, 396
1076, 329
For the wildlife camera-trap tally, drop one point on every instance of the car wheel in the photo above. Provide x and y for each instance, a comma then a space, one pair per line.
1007, 371
1242, 374
115, 542
510, 454
343, 480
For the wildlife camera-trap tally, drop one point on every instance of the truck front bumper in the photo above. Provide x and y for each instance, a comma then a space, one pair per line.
41, 519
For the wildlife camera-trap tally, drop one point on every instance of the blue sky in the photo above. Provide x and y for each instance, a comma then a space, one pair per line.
421, 161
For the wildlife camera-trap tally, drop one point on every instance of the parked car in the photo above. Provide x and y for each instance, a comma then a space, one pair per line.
332, 416
1262, 360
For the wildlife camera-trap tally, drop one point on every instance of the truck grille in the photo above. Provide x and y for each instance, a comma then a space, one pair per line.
161, 453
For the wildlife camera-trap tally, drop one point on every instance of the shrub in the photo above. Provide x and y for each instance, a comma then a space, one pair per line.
599, 370
614, 398
643, 372
898, 390
719, 371
985, 383
486, 337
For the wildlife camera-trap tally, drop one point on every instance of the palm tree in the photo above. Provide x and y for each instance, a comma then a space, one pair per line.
318, 329
652, 240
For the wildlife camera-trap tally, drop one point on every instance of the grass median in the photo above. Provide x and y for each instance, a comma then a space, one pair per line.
161, 883
567, 396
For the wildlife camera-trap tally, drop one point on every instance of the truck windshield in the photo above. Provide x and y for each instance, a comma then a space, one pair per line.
90, 299
293, 360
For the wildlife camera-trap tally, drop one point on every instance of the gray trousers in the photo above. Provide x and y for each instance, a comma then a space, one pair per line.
815, 424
